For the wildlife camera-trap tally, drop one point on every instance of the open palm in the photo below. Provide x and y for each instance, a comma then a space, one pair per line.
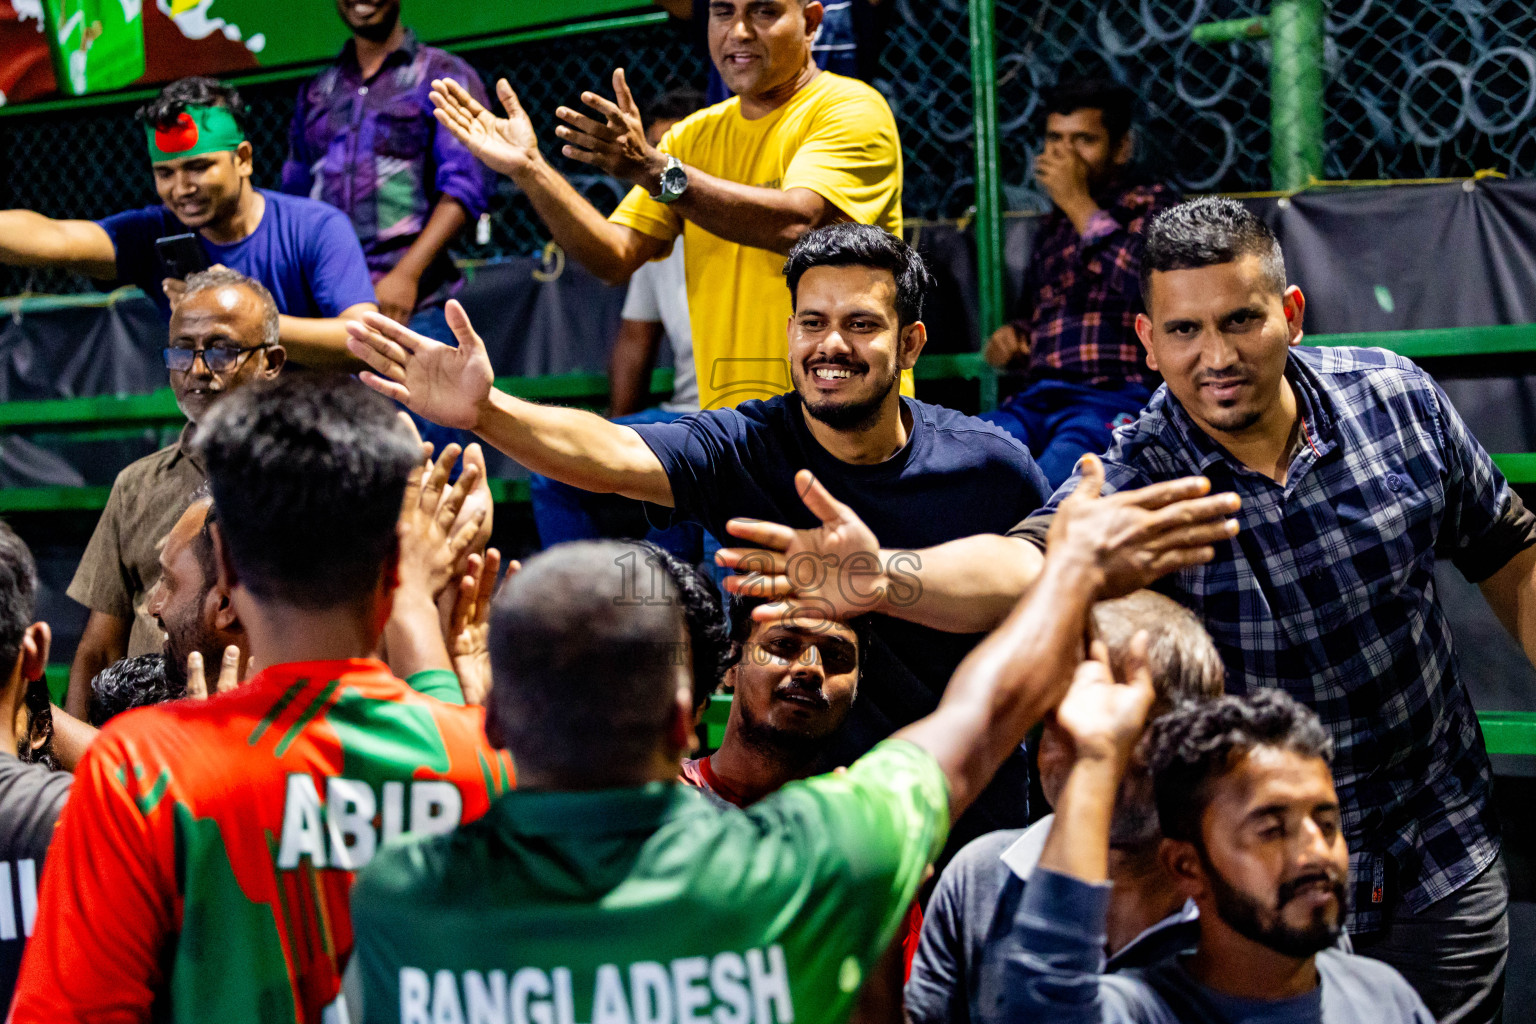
504, 144
444, 384
833, 569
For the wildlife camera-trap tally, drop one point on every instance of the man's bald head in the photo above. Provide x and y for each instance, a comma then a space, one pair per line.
235, 318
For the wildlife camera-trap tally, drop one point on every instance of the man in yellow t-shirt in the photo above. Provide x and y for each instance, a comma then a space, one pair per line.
795, 148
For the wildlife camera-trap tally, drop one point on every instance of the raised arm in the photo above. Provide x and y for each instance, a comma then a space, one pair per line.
454, 387
1021, 671
320, 342
29, 239
615, 143
508, 146
1048, 965
966, 585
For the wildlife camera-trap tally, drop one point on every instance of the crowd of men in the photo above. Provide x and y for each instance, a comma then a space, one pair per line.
324, 757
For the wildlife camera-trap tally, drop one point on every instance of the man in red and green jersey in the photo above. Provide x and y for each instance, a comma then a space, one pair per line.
604, 890
202, 867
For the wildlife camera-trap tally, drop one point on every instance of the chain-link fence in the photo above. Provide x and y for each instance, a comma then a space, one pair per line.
1415, 89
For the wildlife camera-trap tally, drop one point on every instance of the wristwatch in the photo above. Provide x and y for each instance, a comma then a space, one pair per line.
674, 181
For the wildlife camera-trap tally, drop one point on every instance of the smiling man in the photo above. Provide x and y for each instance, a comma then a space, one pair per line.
302, 251
1356, 476
926, 474
793, 684
224, 335
794, 148
1252, 837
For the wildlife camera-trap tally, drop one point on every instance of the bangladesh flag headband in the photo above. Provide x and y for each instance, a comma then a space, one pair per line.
196, 131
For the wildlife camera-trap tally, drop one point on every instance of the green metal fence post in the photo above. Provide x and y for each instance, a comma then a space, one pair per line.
989, 192
989, 221
1295, 29
1296, 93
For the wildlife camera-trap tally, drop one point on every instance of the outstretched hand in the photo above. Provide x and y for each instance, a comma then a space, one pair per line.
1105, 717
434, 538
834, 570
443, 383
506, 145
1136, 537
616, 144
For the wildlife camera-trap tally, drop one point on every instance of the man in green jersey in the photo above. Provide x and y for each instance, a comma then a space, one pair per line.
603, 891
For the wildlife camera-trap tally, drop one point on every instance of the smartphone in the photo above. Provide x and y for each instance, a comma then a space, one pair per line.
181, 255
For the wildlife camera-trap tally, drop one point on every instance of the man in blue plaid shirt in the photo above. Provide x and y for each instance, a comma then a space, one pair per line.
1355, 474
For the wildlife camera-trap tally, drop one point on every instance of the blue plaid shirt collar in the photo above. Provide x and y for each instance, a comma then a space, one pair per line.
1180, 433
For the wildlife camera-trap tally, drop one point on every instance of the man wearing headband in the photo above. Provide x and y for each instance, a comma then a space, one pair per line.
303, 251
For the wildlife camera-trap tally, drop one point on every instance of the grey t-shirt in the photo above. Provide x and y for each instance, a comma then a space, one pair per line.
972, 907
31, 798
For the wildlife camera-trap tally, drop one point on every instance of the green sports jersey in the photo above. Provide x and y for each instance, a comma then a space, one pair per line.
651, 905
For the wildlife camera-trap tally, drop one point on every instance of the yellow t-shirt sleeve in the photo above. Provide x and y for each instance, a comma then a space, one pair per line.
646, 215
851, 157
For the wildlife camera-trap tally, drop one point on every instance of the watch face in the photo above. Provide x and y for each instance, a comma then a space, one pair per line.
674, 180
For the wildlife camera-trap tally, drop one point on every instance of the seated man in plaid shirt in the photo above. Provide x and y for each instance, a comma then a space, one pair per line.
1355, 475
1074, 332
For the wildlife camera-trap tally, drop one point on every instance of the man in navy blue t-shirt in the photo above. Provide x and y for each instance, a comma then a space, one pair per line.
303, 251
925, 473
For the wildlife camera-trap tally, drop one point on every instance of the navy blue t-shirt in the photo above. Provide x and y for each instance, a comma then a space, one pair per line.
304, 251
957, 476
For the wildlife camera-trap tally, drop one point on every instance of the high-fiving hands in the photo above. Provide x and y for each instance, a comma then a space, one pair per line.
1104, 716
443, 383
1136, 537
835, 569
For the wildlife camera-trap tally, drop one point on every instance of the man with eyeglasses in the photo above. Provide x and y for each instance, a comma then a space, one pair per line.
224, 334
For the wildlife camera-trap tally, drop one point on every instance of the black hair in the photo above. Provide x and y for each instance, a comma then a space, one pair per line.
862, 245
36, 747
18, 594
1196, 743
742, 624
1206, 232
585, 674
202, 544
127, 684
197, 91
709, 637
1114, 102
307, 472
674, 105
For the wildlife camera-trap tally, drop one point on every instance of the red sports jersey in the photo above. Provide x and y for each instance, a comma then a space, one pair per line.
204, 860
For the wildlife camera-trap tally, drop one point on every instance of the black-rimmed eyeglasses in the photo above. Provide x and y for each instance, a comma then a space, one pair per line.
218, 358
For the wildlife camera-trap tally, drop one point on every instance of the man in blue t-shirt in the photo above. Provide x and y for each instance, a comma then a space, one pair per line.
303, 251
927, 474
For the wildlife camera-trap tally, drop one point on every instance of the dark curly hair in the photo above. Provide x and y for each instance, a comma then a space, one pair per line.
863, 245
1206, 232
1196, 743
197, 91
741, 609
709, 638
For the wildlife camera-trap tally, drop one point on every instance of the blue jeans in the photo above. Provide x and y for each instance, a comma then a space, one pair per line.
562, 512
432, 323
1060, 422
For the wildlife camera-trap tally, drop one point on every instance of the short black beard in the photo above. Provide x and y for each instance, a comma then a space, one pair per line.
181, 642
378, 33
851, 416
780, 744
1240, 912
